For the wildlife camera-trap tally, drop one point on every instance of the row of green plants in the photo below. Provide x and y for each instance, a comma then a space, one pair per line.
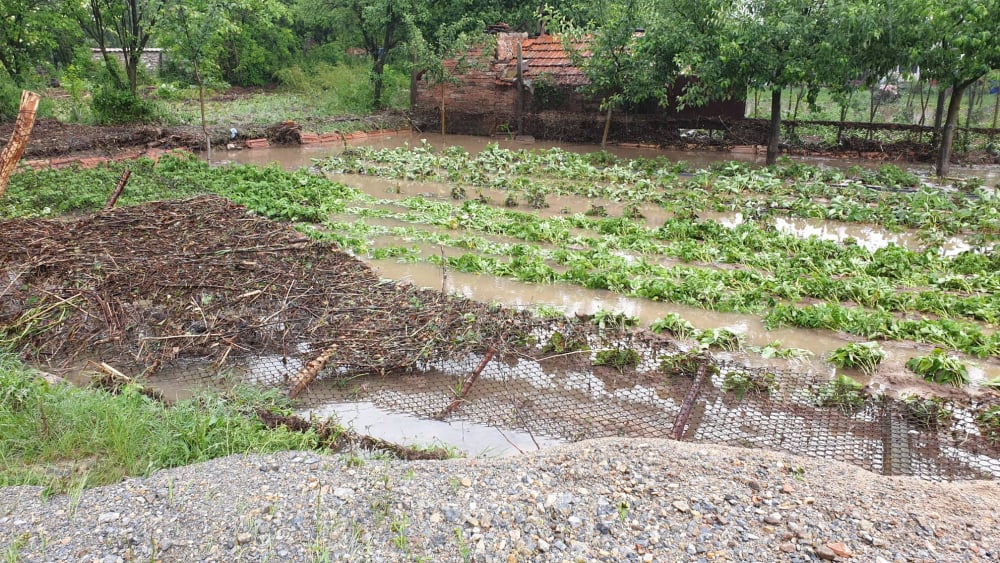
791, 189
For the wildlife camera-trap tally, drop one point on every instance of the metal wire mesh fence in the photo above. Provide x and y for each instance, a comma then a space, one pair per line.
593, 383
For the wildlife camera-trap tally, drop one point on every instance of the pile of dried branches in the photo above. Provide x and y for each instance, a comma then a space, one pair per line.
205, 279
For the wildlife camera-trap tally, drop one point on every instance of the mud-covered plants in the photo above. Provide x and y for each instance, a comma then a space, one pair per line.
992, 384
674, 325
865, 356
458, 192
776, 350
929, 413
619, 358
748, 382
535, 197
686, 364
939, 367
596, 211
720, 338
843, 393
988, 421
611, 320
562, 343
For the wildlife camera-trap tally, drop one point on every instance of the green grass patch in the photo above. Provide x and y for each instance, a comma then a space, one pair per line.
64, 438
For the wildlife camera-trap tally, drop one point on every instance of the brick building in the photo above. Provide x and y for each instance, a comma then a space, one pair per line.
484, 98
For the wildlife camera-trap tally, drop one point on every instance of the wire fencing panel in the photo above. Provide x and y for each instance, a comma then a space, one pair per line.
643, 386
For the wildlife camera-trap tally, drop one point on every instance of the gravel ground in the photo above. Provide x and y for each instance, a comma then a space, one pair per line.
604, 500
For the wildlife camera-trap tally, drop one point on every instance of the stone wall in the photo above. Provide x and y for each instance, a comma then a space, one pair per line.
152, 59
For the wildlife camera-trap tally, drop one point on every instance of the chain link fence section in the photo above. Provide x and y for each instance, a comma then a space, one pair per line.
648, 388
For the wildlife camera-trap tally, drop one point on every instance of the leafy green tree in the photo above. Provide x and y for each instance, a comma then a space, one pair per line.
864, 41
31, 31
193, 31
956, 44
617, 68
126, 24
258, 42
382, 27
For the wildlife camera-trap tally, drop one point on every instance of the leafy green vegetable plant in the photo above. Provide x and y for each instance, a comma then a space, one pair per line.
939, 367
865, 356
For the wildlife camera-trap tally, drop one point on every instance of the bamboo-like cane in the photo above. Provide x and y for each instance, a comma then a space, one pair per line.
11, 154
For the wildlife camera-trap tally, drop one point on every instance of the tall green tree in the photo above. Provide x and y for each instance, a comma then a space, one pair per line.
258, 42
956, 45
30, 33
193, 31
125, 24
383, 27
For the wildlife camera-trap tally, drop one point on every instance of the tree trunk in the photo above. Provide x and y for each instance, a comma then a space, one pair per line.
968, 114
951, 123
377, 69
443, 114
201, 103
939, 114
774, 131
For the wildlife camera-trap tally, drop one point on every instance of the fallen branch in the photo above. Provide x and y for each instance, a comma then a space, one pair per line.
310, 371
467, 384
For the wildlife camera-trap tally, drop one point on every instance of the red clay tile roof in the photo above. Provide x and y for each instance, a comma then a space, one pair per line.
545, 56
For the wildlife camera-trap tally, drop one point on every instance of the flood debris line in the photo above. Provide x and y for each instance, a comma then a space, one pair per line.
143, 286
337, 437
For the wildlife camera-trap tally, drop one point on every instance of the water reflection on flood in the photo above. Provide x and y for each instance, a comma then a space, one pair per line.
473, 440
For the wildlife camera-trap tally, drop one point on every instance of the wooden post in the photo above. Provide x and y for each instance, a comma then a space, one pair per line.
520, 92
996, 111
442, 109
118, 189
607, 127
11, 154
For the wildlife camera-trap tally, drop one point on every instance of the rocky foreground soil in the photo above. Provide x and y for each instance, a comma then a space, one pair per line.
606, 500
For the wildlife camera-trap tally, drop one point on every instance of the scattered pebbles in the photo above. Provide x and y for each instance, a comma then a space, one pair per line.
603, 500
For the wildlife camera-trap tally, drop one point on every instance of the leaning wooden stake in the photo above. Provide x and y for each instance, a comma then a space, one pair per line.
467, 384
11, 154
310, 371
118, 189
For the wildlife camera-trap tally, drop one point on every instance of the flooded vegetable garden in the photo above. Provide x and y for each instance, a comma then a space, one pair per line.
508, 299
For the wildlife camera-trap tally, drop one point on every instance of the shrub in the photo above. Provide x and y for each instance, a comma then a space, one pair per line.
111, 106
10, 100
939, 368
